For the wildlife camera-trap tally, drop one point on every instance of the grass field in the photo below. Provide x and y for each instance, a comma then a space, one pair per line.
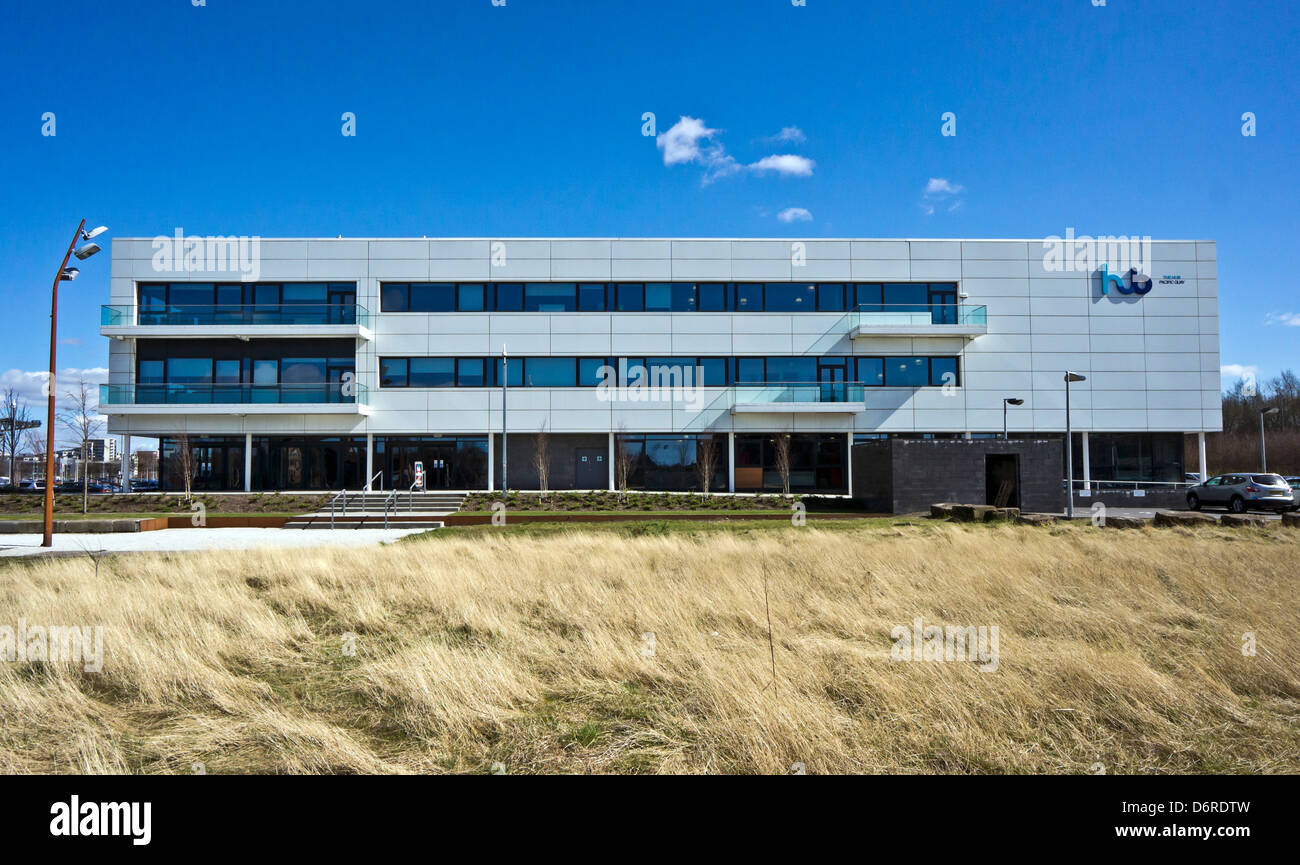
528, 649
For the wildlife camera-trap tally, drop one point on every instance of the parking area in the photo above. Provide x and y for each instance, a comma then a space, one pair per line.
1150, 513
176, 540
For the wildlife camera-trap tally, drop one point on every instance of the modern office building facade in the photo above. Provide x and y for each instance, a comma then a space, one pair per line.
646, 363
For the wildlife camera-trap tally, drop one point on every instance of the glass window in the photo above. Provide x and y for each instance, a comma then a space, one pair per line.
658, 296
907, 371
302, 370
914, 295
712, 372
549, 297
230, 295
153, 295
871, 371
432, 297
227, 372
469, 372
631, 297
941, 367
189, 370
591, 371
633, 369
713, 297
191, 294
151, 372
393, 297
790, 370
749, 370
392, 371
868, 295
749, 297
432, 371
684, 297
550, 372
469, 298
830, 297
516, 369
303, 292
591, 298
790, 297
266, 371
510, 297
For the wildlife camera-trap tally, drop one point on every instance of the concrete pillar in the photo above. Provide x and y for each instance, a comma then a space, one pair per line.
1087, 462
248, 462
1200, 446
492, 461
370, 458
612, 479
731, 462
848, 464
126, 464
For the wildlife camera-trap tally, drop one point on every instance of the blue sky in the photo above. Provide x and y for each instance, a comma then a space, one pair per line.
527, 120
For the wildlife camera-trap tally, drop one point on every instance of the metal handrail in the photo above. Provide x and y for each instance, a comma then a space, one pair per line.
379, 474
391, 501
410, 498
344, 495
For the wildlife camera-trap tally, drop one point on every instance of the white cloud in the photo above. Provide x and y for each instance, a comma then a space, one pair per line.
794, 214
941, 190
789, 135
30, 386
786, 164
690, 141
1286, 319
1235, 371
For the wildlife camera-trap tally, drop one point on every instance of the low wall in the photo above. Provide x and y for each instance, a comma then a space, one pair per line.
1159, 499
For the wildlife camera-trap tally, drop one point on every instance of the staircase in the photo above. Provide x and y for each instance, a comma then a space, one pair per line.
358, 509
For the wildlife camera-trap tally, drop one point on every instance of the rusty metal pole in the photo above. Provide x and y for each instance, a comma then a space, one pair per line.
48, 541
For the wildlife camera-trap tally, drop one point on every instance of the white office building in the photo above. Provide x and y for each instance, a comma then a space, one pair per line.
332, 363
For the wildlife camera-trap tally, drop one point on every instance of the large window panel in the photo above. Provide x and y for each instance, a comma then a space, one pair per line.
393, 297
550, 372
790, 297
432, 297
432, 372
591, 297
550, 297
392, 372
907, 371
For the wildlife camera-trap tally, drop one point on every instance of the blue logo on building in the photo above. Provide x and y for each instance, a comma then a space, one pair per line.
1130, 283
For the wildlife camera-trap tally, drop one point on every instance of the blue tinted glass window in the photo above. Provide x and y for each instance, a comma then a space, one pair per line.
871, 371
913, 295
788, 297
393, 297
749, 297
591, 298
469, 372
869, 295
303, 292
658, 296
432, 372
684, 297
712, 372
510, 297
470, 298
151, 372
907, 371
549, 297
266, 372
516, 370
590, 372
302, 369
230, 295
392, 372
189, 370
550, 372
830, 297
713, 297
791, 369
749, 370
632, 369
432, 297
941, 366
631, 297
153, 295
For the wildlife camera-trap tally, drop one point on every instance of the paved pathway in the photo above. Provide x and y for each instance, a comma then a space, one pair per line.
166, 540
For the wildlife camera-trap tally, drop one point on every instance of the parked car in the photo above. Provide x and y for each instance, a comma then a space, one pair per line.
1295, 493
144, 486
1242, 492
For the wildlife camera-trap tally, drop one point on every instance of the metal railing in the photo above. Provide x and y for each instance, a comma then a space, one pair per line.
390, 502
345, 393
751, 393
913, 314
119, 315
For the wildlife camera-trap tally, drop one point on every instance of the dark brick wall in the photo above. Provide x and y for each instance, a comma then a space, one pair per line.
905, 475
1154, 498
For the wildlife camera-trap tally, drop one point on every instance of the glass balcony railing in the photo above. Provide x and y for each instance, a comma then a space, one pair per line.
253, 314
926, 314
343, 393
808, 392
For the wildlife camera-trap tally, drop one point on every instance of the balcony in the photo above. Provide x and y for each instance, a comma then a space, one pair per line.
837, 397
313, 398
208, 320
938, 319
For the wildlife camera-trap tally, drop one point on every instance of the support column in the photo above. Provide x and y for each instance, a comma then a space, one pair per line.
370, 458
731, 462
1087, 462
848, 463
1200, 446
126, 464
248, 462
492, 461
610, 458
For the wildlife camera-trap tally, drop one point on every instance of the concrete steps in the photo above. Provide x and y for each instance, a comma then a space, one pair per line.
365, 510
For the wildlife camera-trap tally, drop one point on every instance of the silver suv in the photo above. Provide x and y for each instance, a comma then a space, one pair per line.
1242, 492
1295, 493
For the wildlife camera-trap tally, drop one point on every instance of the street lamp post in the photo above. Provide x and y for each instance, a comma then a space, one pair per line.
505, 378
1263, 455
69, 274
1069, 446
1006, 402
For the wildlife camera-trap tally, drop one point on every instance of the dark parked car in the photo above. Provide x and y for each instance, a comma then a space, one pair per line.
1242, 492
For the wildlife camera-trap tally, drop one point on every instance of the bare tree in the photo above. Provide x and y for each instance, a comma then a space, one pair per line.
15, 420
622, 462
706, 462
81, 419
542, 459
185, 463
36, 447
781, 459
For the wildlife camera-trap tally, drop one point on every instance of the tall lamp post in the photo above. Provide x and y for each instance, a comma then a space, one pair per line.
1069, 446
1263, 456
1006, 402
505, 379
69, 274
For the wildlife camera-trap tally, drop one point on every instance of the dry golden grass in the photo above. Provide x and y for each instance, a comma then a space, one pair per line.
1119, 648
